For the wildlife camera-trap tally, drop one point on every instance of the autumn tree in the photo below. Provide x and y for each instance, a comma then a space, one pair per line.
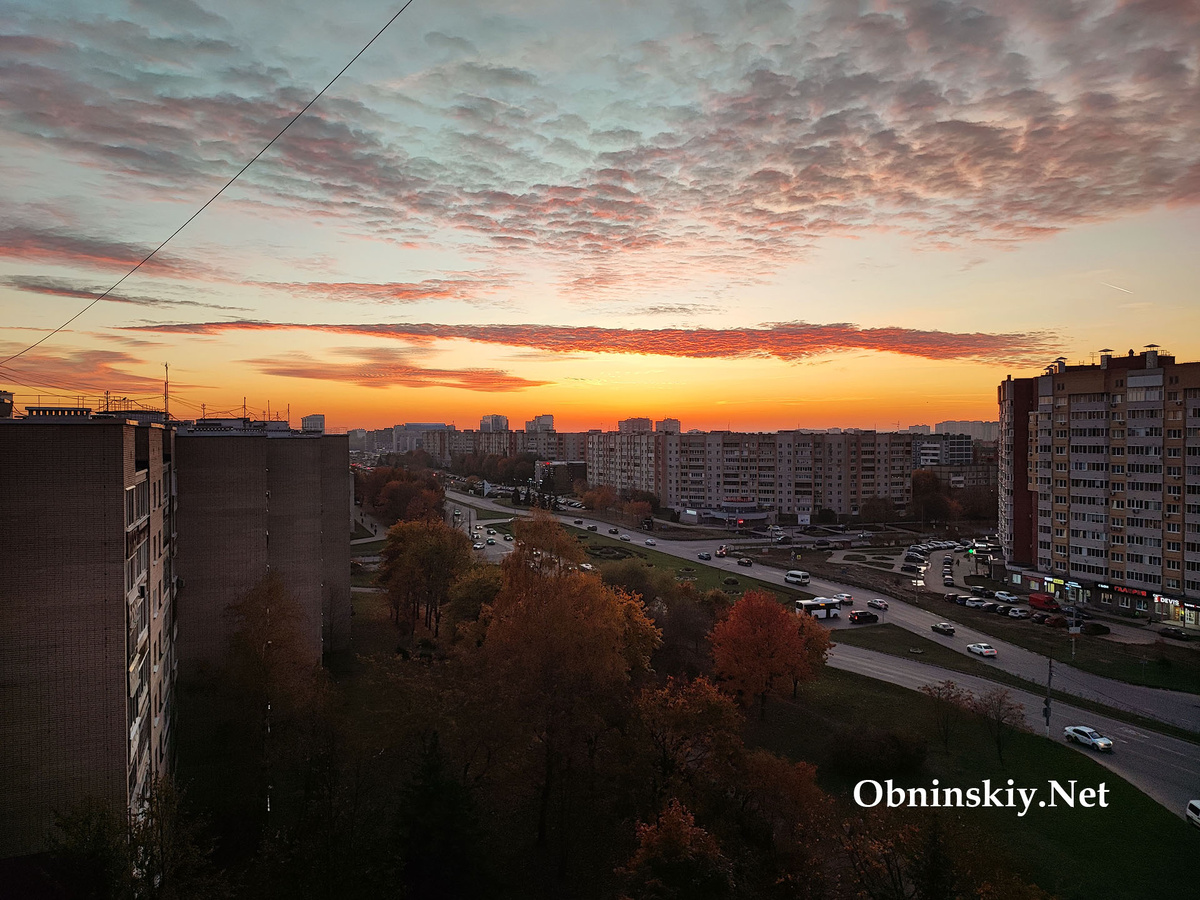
421, 561
469, 595
693, 732
677, 860
637, 511
762, 647
1002, 716
949, 703
563, 650
600, 498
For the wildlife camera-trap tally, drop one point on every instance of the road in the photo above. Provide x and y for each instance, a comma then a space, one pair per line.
1164, 768
1177, 708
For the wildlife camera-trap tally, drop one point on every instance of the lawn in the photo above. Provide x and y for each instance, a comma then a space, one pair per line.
1074, 853
895, 641
703, 577
374, 548
361, 531
1161, 664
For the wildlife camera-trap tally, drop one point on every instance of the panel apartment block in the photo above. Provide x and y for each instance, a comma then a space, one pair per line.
256, 499
1112, 479
87, 616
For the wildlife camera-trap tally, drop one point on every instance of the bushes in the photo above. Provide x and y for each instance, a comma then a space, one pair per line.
858, 752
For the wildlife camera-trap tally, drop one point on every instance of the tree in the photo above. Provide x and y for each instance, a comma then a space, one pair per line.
600, 498
421, 560
677, 860
693, 730
637, 511
1002, 716
470, 594
877, 509
761, 647
564, 649
949, 703
930, 503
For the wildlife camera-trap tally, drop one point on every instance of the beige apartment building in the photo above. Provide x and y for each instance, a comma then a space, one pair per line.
1100, 483
87, 614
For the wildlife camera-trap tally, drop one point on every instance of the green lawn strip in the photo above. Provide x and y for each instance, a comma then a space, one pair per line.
361, 531
370, 549
1073, 853
704, 577
896, 641
1161, 664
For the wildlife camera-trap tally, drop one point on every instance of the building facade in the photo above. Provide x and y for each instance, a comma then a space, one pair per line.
1111, 482
257, 497
87, 615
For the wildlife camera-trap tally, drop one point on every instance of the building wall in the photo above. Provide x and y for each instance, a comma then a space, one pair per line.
249, 502
70, 727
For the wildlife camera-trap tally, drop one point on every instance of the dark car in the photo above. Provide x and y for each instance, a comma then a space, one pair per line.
943, 628
989, 593
863, 616
961, 599
821, 543
1074, 612
579, 521
745, 561
614, 531
703, 554
1174, 631
977, 590
913, 558
1039, 618
1001, 609
910, 568
989, 606
1057, 622
593, 528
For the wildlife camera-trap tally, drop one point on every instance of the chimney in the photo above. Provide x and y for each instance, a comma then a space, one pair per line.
1151, 355
1105, 357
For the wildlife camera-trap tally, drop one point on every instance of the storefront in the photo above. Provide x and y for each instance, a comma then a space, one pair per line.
1177, 610
1125, 600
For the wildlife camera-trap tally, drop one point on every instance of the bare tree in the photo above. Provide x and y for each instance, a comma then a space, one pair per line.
1002, 716
949, 703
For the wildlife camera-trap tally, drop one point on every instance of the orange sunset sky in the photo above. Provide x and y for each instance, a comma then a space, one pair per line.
749, 215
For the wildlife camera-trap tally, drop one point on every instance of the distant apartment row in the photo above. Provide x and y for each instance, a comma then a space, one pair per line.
126, 538
1100, 483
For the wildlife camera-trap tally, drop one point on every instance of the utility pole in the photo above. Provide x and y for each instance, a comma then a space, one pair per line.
1046, 707
167, 390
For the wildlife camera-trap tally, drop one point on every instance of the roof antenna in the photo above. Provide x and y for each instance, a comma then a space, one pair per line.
167, 391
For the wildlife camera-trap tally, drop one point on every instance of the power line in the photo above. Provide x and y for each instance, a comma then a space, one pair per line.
149, 255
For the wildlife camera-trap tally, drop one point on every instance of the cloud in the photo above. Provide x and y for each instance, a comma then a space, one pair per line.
71, 371
467, 288
57, 287
788, 341
62, 248
384, 367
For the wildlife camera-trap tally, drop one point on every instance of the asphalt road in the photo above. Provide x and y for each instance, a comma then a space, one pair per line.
1164, 768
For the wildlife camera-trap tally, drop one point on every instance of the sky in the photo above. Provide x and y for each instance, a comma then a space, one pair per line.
746, 214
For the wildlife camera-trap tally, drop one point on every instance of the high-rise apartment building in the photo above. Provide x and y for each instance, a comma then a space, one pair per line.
980, 431
315, 423
87, 614
493, 423
633, 426
258, 497
668, 426
1100, 483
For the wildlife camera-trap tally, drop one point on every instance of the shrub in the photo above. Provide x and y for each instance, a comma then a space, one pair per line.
858, 752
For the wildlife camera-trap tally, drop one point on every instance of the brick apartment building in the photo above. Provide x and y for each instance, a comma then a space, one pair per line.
258, 497
1100, 483
87, 614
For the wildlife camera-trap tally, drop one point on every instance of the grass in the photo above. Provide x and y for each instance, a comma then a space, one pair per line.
1160, 665
895, 641
1074, 853
374, 548
705, 577
361, 531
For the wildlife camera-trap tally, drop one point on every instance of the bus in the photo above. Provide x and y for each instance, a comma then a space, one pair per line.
820, 607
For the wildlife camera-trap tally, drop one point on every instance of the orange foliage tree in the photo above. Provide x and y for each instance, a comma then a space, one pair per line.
761, 646
677, 860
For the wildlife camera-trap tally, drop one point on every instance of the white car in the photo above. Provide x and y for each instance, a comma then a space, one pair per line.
982, 649
878, 603
1018, 613
651, 542
845, 599
1006, 597
1193, 812
1089, 737
975, 602
477, 546
626, 537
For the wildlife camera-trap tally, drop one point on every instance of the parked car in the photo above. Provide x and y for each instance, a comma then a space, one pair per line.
947, 581
976, 603
1002, 609
1192, 811
1074, 612
1007, 597
950, 598
943, 628
1088, 736
862, 616
703, 554
844, 599
1017, 613
821, 543
1056, 621
745, 561
1174, 631
651, 542
1039, 618
976, 590
988, 605
982, 649
878, 603
910, 568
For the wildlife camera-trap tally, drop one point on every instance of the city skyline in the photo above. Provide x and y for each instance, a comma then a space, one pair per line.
757, 217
